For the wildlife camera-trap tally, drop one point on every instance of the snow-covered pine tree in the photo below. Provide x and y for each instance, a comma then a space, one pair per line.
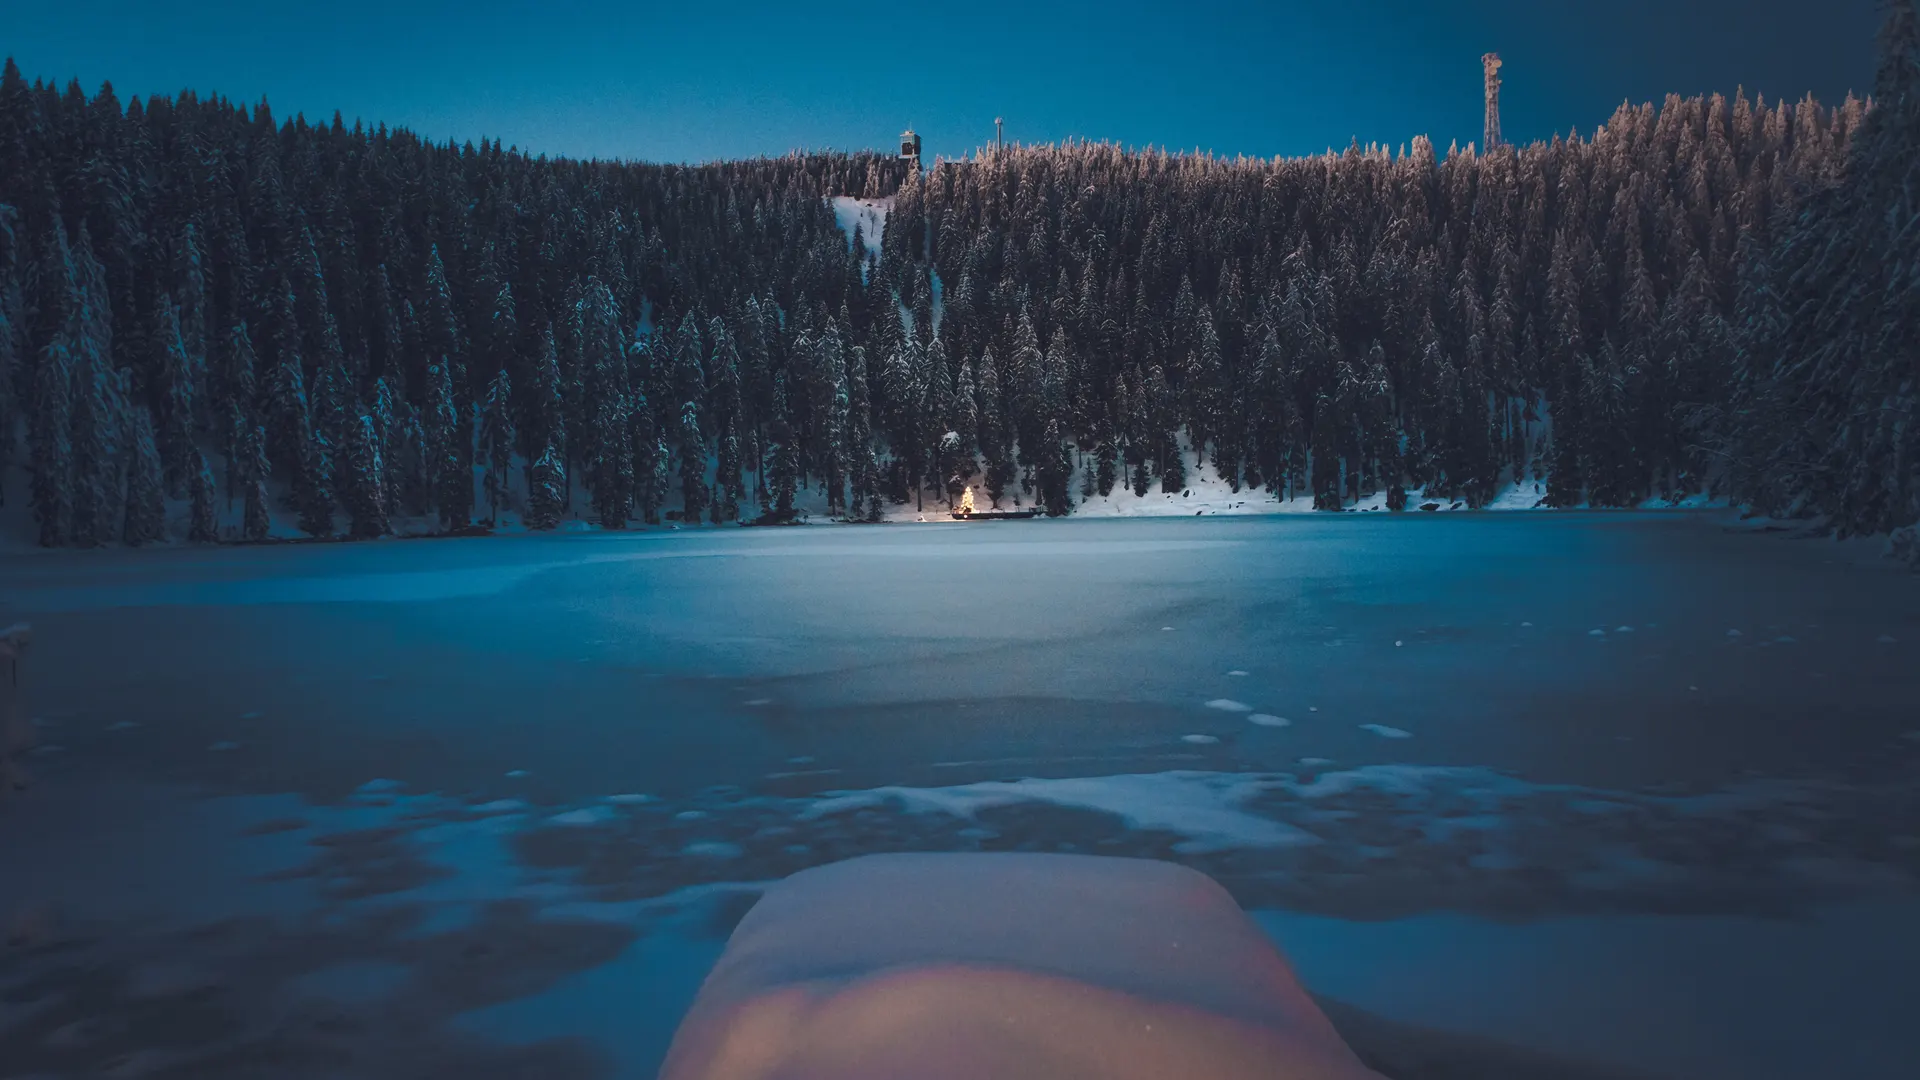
255, 522
1054, 470
727, 405
99, 407
203, 526
291, 437
543, 424
935, 381
783, 472
727, 490
331, 407
190, 300
1832, 428
13, 377
363, 477
386, 443
176, 398
146, 508
449, 479
440, 329
693, 464
240, 396
546, 498
497, 442
50, 437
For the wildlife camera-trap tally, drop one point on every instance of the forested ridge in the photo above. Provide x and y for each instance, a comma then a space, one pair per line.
212, 313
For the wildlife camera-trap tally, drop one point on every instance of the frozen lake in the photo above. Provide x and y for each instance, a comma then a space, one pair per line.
1635, 790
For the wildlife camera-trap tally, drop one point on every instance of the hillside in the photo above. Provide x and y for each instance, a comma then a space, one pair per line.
218, 323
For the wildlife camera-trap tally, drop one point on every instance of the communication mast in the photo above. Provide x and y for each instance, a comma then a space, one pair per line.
1490, 63
999, 137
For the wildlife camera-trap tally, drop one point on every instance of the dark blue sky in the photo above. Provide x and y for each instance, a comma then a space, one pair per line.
693, 81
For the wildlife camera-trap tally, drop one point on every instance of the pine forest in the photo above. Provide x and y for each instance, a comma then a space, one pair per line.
213, 319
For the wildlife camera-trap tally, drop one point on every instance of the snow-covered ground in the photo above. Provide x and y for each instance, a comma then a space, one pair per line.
870, 215
444, 802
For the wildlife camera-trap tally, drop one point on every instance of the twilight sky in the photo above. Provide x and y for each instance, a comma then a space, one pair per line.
695, 81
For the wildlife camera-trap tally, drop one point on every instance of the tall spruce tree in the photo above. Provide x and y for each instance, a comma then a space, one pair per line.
146, 508
497, 442
546, 498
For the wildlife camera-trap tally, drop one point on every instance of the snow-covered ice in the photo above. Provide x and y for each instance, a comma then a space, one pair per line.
1200, 740
1386, 732
1229, 705
1202, 806
1268, 720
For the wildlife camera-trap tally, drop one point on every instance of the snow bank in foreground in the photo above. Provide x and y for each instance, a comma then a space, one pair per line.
957, 966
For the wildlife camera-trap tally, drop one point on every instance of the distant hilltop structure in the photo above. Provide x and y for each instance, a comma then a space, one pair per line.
1490, 65
910, 147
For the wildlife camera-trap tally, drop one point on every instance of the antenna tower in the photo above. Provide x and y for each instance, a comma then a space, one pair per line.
1490, 63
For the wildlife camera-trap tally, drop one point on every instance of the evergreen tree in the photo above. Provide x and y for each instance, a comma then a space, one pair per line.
51, 436
451, 483
177, 379
783, 472
1054, 471
98, 404
203, 526
547, 496
726, 503
363, 478
242, 409
255, 522
1830, 427
544, 424
13, 380
387, 433
146, 509
290, 425
497, 441
693, 464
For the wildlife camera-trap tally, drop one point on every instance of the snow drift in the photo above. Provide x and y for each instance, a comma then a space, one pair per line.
1002, 965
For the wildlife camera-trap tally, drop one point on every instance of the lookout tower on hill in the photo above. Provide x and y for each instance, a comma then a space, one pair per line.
910, 147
